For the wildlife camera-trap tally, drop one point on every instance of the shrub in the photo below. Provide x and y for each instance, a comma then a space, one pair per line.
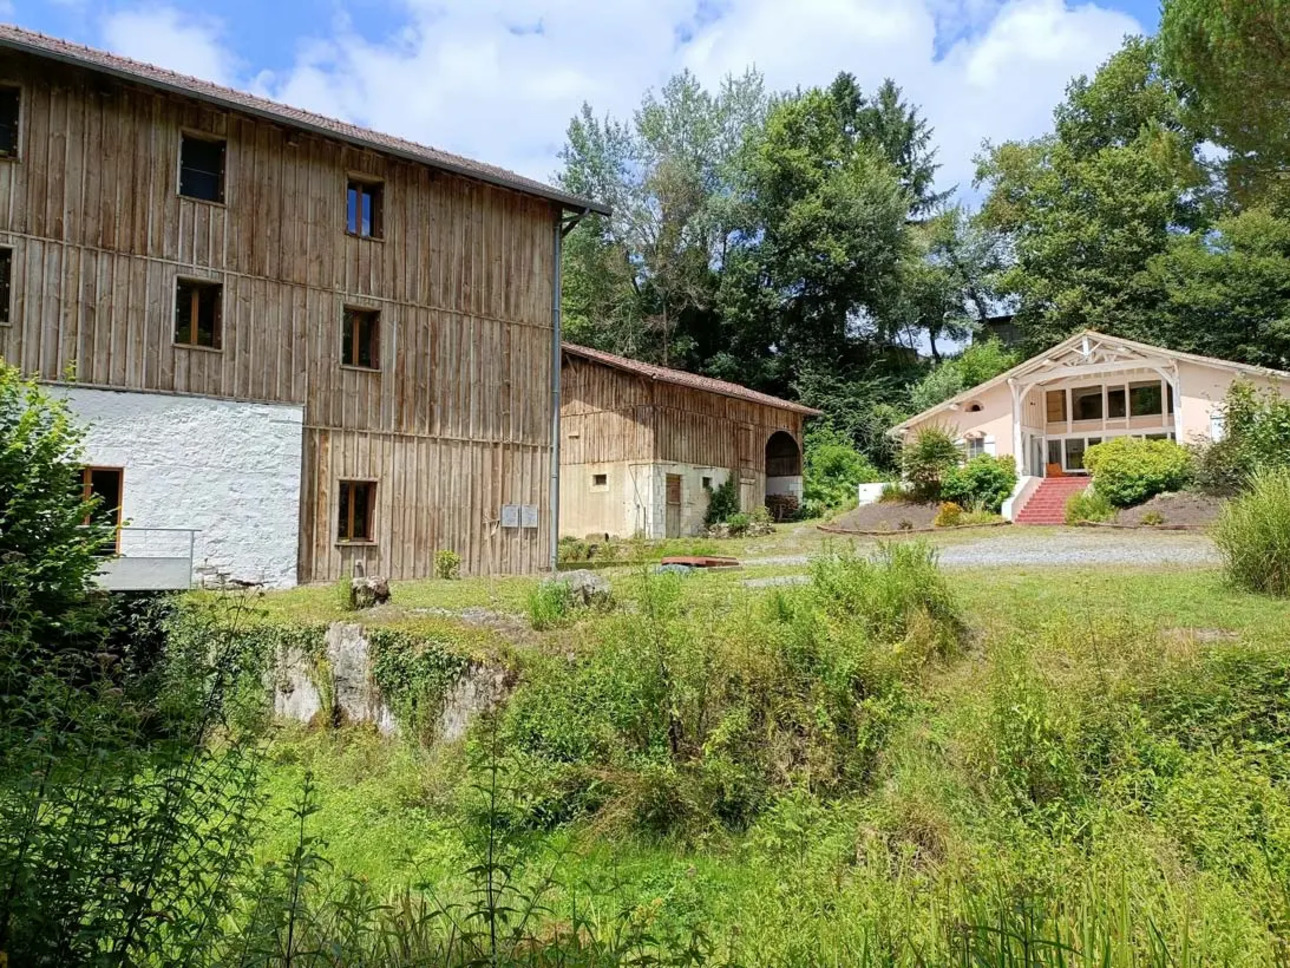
447, 565
1253, 534
832, 470
983, 481
1259, 426
927, 459
1153, 518
1220, 468
550, 605
1128, 471
738, 524
979, 517
723, 501
893, 493
948, 515
1088, 506
48, 558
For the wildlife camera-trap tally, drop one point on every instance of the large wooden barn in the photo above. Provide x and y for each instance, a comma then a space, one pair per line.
301, 346
642, 446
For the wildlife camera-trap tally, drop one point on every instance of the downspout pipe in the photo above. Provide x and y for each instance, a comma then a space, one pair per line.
563, 227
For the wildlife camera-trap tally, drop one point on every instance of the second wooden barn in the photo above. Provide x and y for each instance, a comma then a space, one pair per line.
642, 446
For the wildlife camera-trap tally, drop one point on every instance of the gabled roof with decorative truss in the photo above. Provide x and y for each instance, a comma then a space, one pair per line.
1088, 354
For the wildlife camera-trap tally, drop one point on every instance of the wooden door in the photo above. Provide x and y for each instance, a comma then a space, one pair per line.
673, 527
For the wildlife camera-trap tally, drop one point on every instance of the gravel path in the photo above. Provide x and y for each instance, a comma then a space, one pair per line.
1143, 549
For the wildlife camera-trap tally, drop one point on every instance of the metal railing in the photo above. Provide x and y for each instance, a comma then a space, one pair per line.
150, 559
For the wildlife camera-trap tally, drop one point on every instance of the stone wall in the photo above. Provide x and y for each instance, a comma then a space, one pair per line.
308, 690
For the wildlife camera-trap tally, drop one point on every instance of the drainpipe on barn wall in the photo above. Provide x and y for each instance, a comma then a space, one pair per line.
563, 226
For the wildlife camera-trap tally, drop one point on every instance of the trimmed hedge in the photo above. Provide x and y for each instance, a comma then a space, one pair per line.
1129, 470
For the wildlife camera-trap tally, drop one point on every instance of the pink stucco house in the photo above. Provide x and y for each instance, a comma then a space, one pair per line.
1048, 410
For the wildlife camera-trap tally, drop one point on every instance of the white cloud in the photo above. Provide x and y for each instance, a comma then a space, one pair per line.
167, 38
499, 79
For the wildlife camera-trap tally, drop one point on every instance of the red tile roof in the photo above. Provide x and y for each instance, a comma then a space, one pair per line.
51, 48
692, 380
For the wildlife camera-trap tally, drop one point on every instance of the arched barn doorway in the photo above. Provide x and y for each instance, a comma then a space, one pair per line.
783, 475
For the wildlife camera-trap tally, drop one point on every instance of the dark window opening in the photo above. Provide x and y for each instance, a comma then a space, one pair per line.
783, 459
360, 342
973, 408
198, 312
707, 483
357, 508
1145, 400
6, 284
599, 480
10, 112
1087, 403
106, 485
363, 207
1115, 403
201, 169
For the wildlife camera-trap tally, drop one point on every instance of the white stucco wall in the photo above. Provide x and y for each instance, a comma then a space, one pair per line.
230, 470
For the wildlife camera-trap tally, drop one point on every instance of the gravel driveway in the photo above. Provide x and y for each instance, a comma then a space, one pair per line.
1020, 546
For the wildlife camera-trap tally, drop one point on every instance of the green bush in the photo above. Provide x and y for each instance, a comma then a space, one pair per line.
1220, 468
833, 468
1259, 425
447, 565
948, 515
1253, 534
738, 524
983, 482
723, 501
927, 459
550, 605
674, 719
1129, 470
1088, 506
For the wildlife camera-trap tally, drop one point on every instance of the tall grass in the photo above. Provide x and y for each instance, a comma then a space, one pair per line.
1253, 534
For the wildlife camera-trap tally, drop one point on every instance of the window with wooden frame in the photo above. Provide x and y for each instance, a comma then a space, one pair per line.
1055, 404
107, 485
6, 285
10, 115
361, 338
356, 511
201, 168
198, 314
363, 208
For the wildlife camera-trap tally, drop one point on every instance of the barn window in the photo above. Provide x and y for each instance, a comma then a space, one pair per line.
6, 285
198, 312
10, 111
107, 485
201, 168
357, 507
364, 209
600, 480
707, 483
360, 341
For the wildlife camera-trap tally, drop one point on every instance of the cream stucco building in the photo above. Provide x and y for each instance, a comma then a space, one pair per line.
1047, 411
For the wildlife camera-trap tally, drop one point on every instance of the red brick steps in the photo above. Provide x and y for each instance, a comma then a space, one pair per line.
1047, 505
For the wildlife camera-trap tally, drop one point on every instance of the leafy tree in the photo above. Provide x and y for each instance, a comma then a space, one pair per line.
1232, 56
1227, 293
975, 365
644, 282
48, 538
833, 469
927, 459
1088, 207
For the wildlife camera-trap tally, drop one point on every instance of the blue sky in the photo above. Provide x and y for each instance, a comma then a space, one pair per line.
499, 79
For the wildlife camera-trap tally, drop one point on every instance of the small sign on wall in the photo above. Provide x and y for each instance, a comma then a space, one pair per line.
510, 515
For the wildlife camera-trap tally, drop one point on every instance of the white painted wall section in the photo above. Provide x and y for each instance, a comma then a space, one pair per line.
230, 470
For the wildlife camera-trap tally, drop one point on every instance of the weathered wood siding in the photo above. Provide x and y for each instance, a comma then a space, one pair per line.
618, 423
457, 420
